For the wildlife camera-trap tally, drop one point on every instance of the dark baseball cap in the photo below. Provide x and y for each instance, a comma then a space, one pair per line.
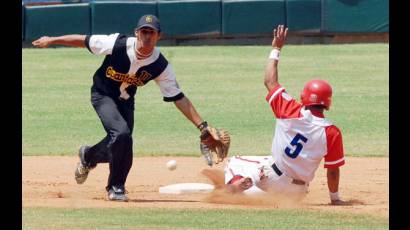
150, 21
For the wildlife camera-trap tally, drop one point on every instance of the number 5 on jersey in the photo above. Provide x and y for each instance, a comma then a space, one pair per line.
297, 143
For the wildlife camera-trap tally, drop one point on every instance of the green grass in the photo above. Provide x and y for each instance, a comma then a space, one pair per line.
143, 218
226, 86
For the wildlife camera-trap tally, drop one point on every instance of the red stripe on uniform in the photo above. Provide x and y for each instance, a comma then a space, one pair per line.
230, 170
335, 165
240, 158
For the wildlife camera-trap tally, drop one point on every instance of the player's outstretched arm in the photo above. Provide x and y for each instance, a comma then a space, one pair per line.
186, 107
271, 71
75, 40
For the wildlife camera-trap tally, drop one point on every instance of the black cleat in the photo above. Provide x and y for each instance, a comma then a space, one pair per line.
81, 171
117, 193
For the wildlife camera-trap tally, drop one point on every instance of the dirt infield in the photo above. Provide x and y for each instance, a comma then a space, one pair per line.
49, 182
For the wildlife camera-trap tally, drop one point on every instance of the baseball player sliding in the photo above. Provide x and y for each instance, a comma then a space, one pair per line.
303, 136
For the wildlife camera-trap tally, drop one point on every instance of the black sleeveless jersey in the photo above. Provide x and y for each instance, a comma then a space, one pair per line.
114, 71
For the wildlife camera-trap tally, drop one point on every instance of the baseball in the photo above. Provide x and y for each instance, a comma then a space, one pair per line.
172, 164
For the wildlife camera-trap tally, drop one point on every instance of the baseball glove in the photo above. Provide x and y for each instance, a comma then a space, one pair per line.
214, 144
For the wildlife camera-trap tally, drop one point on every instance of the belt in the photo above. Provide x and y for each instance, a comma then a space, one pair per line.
294, 181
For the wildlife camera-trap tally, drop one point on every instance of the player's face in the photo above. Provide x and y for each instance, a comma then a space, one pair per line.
148, 37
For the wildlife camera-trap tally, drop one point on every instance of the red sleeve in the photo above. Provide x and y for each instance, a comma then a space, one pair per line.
335, 156
283, 105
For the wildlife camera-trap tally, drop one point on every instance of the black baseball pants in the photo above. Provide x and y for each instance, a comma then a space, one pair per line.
117, 117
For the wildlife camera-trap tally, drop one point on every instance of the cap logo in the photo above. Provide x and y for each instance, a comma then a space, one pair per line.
148, 19
313, 97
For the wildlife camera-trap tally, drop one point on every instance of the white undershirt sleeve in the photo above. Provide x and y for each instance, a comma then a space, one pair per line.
102, 44
167, 83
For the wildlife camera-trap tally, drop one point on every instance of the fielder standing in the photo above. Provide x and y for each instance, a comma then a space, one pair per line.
130, 62
303, 136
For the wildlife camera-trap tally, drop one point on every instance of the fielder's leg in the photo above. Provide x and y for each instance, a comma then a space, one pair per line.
117, 143
117, 118
99, 152
127, 111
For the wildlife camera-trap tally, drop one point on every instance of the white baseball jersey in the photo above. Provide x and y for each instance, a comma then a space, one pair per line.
302, 139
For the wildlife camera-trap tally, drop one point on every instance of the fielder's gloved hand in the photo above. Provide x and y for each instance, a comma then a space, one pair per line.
214, 143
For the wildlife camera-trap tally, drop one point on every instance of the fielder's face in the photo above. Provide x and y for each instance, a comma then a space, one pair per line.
148, 37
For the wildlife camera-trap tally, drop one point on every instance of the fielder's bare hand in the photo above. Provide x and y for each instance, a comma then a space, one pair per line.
42, 42
279, 37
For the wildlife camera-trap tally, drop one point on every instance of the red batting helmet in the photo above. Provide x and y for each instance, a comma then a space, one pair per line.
317, 92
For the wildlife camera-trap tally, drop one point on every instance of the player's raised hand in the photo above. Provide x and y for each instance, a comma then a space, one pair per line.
42, 42
279, 37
